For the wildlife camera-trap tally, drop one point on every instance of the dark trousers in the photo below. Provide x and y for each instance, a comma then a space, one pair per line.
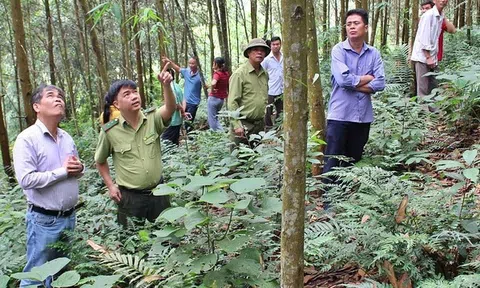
251, 127
172, 134
347, 139
192, 109
140, 205
273, 101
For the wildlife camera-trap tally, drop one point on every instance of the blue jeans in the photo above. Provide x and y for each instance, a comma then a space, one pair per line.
214, 105
42, 231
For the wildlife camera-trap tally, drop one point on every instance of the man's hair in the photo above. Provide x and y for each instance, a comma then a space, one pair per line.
275, 38
360, 12
38, 93
427, 2
112, 95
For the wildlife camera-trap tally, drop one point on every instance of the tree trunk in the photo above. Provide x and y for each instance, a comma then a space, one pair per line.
171, 15
127, 64
5, 147
51, 59
242, 12
365, 5
267, 15
236, 33
325, 27
101, 67
218, 24
161, 34
22, 60
315, 96
469, 21
478, 12
414, 23
375, 23
29, 42
456, 12
343, 12
295, 131
66, 65
222, 7
406, 19
385, 26
138, 55
397, 21
210, 33
194, 45
185, 33
253, 13
461, 15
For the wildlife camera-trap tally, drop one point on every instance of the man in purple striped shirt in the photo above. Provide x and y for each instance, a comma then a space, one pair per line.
47, 168
357, 73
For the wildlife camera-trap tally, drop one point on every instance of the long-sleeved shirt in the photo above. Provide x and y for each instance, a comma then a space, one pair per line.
428, 32
346, 103
248, 89
274, 68
38, 161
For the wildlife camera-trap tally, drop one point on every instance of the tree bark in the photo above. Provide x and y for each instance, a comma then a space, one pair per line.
218, 24
295, 131
127, 64
267, 15
138, 56
253, 13
222, 7
397, 22
385, 26
414, 23
171, 15
343, 12
22, 60
51, 59
101, 67
244, 18
5, 147
469, 21
210, 33
315, 95
461, 15
375, 23
325, 27
406, 19
66, 64
456, 12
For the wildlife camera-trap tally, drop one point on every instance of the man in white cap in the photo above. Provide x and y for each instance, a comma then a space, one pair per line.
249, 88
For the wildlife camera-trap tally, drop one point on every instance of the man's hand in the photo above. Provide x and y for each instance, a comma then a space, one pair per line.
165, 60
430, 62
114, 193
73, 166
165, 77
240, 132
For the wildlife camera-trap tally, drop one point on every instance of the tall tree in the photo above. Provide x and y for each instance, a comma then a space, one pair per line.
461, 15
267, 17
138, 55
222, 7
469, 13
385, 25
22, 59
376, 17
51, 59
343, 12
315, 95
414, 23
406, 22
125, 40
295, 131
210, 32
4, 145
253, 13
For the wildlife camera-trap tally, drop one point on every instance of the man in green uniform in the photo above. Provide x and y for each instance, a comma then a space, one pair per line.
133, 141
249, 88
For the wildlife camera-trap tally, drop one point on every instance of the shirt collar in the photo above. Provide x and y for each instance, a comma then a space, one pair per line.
123, 121
347, 46
44, 129
273, 56
435, 11
250, 68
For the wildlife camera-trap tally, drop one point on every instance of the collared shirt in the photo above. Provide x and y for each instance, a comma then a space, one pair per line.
38, 159
176, 116
346, 103
136, 153
193, 86
274, 68
250, 90
428, 32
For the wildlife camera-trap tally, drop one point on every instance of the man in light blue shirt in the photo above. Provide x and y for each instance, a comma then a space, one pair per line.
47, 168
192, 87
357, 73
273, 64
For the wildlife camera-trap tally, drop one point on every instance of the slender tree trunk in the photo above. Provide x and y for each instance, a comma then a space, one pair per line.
148, 92
343, 12
51, 59
358, 4
295, 131
125, 41
242, 12
406, 20
456, 12
171, 15
461, 15
138, 56
397, 21
101, 67
253, 13
385, 26
325, 25
185, 33
236, 33
29, 42
210, 33
161, 35
66, 65
267, 15
194, 46
478, 12
375, 23
469, 21
218, 24
414, 23
22, 59
222, 7
315, 95
5, 147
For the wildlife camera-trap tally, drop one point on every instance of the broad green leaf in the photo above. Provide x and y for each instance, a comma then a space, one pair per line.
166, 231
314, 161
41, 273
216, 279
67, 279
448, 164
100, 281
4, 281
272, 205
204, 263
164, 189
215, 197
197, 182
470, 225
244, 266
249, 253
469, 156
247, 185
471, 173
233, 245
242, 204
173, 214
193, 219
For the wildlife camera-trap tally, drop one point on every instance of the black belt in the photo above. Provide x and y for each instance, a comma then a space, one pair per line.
146, 191
52, 212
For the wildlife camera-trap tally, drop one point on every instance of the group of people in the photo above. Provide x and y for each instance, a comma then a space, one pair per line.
427, 49
48, 167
